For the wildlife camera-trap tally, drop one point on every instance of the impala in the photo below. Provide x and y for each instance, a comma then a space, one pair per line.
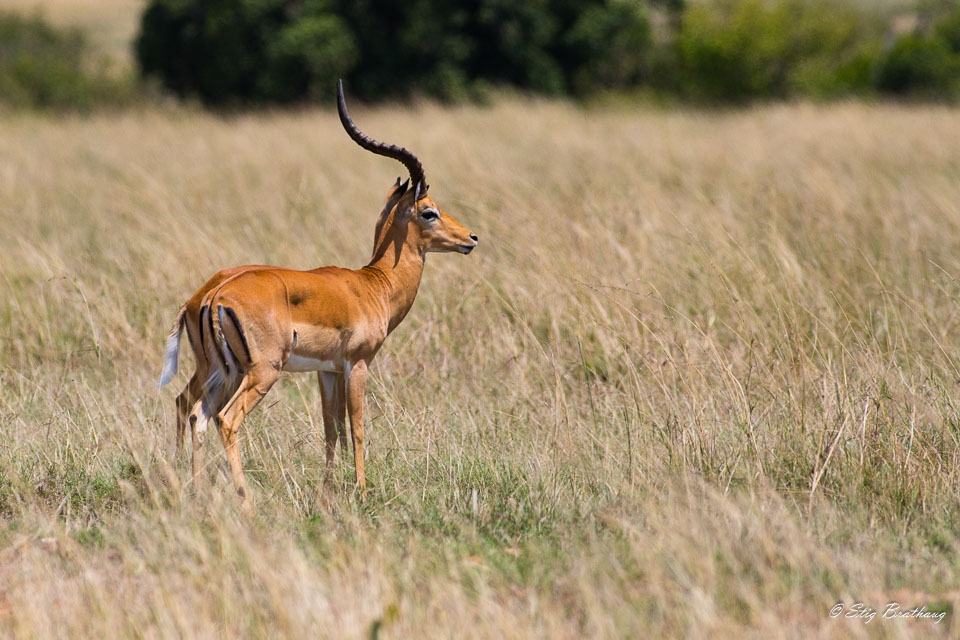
248, 324
188, 318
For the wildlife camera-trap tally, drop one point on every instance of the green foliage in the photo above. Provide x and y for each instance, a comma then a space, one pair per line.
45, 67
224, 51
735, 50
948, 30
242, 52
611, 36
925, 64
306, 56
919, 65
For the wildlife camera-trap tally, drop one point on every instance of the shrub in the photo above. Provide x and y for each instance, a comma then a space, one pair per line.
613, 38
925, 65
948, 30
919, 65
257, 51
306, 57
834, 50
230, 51
243, 50
736, 50
45, 67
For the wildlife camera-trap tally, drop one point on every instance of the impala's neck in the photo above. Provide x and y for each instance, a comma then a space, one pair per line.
397, 266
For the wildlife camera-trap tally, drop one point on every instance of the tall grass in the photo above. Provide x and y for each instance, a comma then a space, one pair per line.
700, 376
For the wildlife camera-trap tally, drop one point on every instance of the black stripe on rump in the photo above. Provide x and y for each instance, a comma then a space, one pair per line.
236, 325
204, 310
216, 343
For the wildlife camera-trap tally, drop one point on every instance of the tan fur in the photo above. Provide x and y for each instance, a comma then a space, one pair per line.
330, 315
189, 318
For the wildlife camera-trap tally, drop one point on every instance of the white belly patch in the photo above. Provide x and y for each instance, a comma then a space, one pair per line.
297, 363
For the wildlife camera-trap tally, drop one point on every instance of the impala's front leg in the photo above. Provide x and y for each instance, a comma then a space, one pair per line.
356, 379
340, 410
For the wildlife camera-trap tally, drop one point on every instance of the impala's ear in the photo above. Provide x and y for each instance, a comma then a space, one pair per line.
407, 204
393, 197
397, 190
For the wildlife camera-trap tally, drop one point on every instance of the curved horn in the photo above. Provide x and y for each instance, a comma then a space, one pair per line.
380, 148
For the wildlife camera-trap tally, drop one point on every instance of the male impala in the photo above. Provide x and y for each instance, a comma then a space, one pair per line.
248, 324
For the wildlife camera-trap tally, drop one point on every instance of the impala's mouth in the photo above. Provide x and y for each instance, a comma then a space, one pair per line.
467, 248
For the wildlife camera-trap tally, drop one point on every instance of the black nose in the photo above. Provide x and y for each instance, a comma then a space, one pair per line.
474, 237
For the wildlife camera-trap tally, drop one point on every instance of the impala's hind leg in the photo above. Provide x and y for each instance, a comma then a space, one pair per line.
254, 385
185, 401
200, 416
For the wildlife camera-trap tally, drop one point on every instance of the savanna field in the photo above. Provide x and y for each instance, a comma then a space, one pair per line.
700, 378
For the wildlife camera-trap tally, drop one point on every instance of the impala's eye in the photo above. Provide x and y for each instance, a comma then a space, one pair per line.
429, 214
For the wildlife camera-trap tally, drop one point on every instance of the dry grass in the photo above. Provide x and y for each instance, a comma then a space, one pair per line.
700, 377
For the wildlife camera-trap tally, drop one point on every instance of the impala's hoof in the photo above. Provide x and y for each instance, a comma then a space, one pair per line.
245, 505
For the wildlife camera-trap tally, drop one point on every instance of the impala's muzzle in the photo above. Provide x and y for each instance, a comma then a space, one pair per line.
467, 248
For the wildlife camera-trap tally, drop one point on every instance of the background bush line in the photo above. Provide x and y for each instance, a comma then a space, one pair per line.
724, 51
237, 53
42, 66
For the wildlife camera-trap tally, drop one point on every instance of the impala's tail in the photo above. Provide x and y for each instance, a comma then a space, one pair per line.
173, 349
